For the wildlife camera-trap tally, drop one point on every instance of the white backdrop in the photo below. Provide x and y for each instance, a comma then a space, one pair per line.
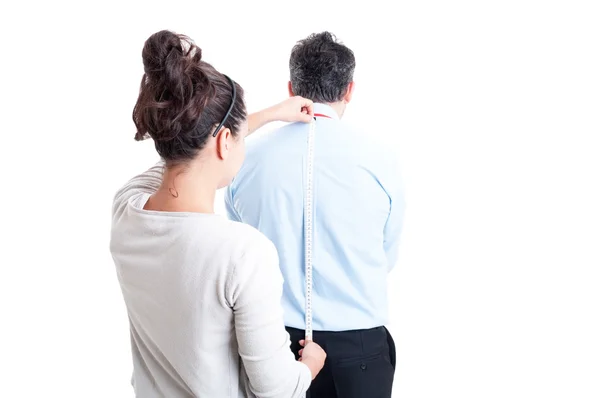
493, 108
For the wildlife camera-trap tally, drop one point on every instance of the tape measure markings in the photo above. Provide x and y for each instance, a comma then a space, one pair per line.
308, 230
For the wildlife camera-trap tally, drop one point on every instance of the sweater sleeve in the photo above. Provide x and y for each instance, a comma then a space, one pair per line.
264, 345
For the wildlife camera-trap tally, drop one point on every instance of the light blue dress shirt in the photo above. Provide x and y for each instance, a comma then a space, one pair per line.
358, 205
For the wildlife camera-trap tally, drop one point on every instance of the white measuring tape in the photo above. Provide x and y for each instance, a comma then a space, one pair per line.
308, 229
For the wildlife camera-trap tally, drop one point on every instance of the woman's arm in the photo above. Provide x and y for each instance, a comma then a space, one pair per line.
264, 345
294, 109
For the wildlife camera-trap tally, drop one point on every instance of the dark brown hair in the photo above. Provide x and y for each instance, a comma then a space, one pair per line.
182, 98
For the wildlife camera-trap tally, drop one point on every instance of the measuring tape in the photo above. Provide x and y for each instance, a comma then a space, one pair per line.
308, 229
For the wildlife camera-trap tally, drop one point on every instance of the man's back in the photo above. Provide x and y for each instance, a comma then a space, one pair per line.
358, 206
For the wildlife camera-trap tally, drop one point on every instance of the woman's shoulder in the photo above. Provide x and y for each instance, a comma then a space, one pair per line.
248, 239
253, 258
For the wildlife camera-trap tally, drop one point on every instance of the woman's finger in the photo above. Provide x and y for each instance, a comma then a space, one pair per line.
309, 107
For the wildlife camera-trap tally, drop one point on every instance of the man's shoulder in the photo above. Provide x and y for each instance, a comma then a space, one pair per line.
373, 146
273, 137
273, 146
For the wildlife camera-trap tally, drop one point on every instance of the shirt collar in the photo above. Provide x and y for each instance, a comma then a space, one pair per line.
326, 110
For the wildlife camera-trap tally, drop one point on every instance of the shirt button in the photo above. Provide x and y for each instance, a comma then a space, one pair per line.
363, 366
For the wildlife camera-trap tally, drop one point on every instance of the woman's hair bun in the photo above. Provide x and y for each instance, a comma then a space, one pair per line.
175, 88
169, 54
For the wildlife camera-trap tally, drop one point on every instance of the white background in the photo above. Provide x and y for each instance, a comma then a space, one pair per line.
493, 108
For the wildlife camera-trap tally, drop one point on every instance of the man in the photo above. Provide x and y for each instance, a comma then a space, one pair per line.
358, 205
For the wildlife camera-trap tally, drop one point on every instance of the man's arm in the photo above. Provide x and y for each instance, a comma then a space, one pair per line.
232, 213
395, 221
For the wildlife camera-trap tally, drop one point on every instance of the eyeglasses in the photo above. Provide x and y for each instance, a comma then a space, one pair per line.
233, 93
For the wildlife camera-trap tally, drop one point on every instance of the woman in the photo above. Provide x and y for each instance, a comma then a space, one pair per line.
202, 293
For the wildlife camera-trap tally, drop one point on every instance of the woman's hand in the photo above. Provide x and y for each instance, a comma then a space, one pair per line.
313, 356
294, 109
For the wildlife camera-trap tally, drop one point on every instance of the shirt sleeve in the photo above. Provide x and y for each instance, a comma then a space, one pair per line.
264, 345
232, 213
148, 182
394, 223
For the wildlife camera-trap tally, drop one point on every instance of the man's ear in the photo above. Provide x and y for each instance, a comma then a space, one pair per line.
290, 91
349, 93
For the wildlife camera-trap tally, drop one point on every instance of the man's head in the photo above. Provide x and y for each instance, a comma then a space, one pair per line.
322, 69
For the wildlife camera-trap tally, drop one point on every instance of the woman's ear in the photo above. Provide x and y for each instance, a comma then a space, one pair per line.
290, 90
223, 143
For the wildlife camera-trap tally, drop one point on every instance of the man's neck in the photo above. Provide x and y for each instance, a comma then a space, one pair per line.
339, 107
